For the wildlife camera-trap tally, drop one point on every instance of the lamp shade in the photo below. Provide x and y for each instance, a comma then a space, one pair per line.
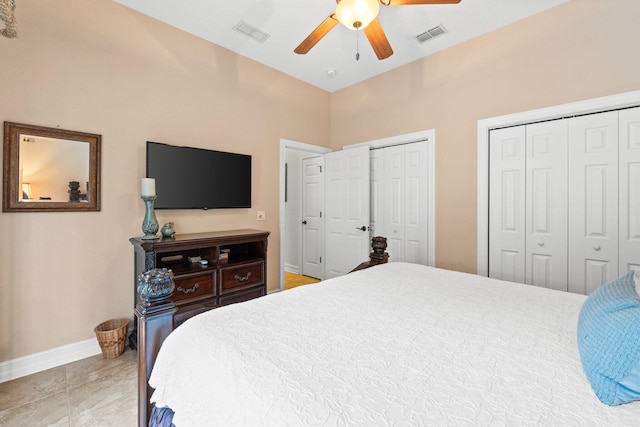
357, 14
26, 191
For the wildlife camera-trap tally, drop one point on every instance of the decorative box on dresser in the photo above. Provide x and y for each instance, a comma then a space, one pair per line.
235, 271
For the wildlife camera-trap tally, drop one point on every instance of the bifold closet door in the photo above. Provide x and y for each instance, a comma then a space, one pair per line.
593, 201
528, 204
629, 161
507, 204
546, 205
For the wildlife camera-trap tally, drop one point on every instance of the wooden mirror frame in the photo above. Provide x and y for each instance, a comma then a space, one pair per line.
12, 194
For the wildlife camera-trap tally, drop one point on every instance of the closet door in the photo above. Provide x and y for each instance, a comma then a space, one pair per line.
629, 161
376, 176
416, 248
546, 205
394, 206
399, 188
593, 201
507, 204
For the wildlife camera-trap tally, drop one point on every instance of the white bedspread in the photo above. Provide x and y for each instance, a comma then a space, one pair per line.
398, 344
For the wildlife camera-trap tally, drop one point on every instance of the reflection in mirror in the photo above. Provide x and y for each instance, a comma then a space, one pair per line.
48, 165
49, 169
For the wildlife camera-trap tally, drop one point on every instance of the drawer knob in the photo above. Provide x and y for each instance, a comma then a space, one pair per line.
242, 278
190, 290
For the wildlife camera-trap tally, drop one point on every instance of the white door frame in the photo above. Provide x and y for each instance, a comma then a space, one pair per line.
284, 145
429, 136
623, 100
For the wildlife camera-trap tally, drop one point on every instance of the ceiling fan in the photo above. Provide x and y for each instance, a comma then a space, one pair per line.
361, 15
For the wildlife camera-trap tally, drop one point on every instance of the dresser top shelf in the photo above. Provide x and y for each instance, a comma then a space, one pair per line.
213, 238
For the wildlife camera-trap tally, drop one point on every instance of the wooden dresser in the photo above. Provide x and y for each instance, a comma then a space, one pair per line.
240, 275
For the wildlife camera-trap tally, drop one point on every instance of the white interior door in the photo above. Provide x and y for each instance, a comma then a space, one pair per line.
506, 204
401, 208
312, 220
593, 201
347, 210
629, 162
416, 230
393, 202
546, 204
376, 176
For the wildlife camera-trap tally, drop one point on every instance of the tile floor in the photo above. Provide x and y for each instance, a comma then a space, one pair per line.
89, 392
92, 392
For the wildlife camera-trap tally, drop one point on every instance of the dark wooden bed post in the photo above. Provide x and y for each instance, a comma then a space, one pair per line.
154, 315
378, 256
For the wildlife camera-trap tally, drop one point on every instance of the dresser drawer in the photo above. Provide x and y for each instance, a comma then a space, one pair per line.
193, 288
187, 311
242, 296
243, 276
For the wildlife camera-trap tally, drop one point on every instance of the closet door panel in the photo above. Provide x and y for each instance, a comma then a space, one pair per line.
546, 204
629, 243
395, 206
416, 249
376, 176
593, 201
506, 204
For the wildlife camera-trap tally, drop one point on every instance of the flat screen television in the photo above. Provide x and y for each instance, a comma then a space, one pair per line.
196, 178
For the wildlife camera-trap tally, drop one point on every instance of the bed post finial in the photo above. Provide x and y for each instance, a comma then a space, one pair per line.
379, 245
378, 256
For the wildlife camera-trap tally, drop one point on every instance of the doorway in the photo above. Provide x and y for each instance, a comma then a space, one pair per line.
291, 155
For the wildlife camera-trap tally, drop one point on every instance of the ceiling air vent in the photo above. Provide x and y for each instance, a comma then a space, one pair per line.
431, 33
251, 31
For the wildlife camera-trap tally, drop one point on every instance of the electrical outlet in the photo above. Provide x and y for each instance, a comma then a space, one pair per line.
261, 216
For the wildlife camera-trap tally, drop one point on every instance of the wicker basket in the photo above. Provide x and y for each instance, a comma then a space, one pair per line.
112, 336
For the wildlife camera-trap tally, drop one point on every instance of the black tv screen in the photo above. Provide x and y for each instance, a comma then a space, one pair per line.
195, 178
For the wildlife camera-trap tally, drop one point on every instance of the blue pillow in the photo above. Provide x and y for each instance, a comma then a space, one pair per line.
609, 341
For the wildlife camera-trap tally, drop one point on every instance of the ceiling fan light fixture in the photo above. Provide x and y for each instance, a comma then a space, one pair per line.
357, 14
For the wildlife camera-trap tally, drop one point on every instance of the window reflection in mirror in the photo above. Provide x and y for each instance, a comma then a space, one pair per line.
48, 165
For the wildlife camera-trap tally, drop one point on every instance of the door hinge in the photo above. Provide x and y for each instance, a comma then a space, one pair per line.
320, 260
320, 166
320, 214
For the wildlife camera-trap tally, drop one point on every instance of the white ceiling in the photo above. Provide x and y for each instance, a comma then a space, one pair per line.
288, 22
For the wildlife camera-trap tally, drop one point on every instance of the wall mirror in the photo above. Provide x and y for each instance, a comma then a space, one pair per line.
50, 169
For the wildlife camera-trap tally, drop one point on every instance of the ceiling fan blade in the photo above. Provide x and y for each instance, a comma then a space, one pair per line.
405, 2
316, 35
378, 39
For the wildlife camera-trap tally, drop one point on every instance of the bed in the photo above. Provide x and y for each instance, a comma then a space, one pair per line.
395, 344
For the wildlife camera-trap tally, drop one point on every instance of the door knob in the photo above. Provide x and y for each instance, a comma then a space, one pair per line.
597, 247
540, 243
363, 228
304, 222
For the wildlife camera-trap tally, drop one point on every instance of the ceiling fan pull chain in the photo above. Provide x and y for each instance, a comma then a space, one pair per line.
357, 45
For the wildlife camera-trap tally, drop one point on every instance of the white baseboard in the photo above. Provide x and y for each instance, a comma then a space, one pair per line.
292, 268
27, 365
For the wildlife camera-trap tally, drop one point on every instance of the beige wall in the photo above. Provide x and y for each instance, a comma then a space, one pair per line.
99, 67
582, 49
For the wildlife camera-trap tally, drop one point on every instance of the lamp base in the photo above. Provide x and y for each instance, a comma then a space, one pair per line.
150, 222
